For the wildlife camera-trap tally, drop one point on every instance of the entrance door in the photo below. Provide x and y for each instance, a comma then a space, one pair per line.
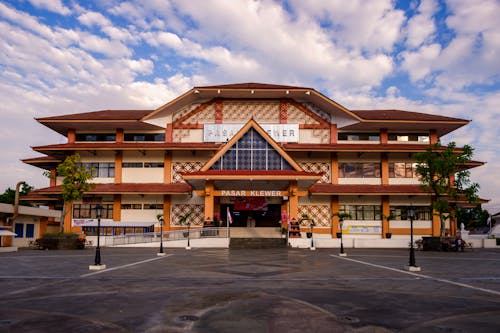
270, 217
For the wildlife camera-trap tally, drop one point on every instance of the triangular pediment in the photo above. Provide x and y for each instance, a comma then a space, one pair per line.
251, 148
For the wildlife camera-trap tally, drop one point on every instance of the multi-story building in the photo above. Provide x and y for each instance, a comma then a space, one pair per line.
266, 153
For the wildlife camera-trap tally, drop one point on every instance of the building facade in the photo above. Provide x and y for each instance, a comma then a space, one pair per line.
266, 154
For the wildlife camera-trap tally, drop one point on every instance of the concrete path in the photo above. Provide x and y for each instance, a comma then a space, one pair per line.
277, 290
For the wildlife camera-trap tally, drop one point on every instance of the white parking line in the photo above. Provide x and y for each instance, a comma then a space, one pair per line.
124, 266
489, 291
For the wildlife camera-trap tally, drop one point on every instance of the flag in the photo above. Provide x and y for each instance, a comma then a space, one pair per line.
229, 218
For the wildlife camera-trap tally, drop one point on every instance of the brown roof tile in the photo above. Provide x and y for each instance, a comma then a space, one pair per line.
401, 115
123, 188
101, 115
366, 189
250, 85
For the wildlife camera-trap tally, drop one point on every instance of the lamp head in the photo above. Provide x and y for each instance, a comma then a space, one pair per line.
98, 210
411, 212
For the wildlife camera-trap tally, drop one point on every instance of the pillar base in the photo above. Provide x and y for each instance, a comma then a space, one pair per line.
188, 247
312, 248
412, 268
161, 254
97, 267
342, 254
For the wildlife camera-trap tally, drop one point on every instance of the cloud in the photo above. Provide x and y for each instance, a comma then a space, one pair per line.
421, 27
52, 5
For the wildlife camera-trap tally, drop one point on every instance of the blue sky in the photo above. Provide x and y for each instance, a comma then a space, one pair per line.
60, 57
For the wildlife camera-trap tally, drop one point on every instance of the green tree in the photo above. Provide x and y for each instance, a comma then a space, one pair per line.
75, 183
435, 166
9, 195
473, 217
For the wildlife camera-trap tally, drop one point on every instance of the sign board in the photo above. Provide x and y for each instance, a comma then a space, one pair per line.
362, 229
224, 132
250, 193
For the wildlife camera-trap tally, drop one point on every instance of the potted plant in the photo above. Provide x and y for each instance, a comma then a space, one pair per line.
184, 220
389, 218
306, 218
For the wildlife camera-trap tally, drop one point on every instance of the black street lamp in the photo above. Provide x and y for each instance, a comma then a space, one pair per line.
188, 247
341, 223
411, 215
312, 235
161, 220
98, 213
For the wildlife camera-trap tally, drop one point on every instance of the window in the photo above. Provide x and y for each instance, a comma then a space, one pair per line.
132, 165
88, 211
354, 136
153, 206
409, 137
153, 164
251, 152
30, 230
362, 212
131, 206
158, 137
421, 212
402, 170
101, 169
359, 170
19, 230
92, 137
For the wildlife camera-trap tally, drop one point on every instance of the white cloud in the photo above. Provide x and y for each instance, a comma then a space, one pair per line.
52, 5
421, 26
91, 18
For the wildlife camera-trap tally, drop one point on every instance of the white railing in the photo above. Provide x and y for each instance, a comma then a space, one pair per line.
150, 237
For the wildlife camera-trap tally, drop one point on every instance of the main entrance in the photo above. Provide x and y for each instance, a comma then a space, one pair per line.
257, 216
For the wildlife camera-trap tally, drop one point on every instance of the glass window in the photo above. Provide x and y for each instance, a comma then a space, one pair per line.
355, 136
153, 164
156, 137
153, 206
359, 170
132, 165
131, 206
422, 213
93, 137
102, 169
88, 211
19, 230
409, 137
30, 230
362, 212
402, 170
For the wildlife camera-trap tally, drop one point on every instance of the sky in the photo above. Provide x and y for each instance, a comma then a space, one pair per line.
62, 57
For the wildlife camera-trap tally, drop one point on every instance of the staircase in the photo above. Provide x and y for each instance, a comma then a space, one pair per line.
257, 243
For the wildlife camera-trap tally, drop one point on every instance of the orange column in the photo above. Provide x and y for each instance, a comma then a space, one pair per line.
436, 224
293, 200
384, 136
118, 167
334, 166
68, 215
386, 211
117, 207
169, 133
385, 169
167, 167
119, 135
433, 138
166, 212
334, 203
71, 135
53, 177
209, 200
43, 226
333, 133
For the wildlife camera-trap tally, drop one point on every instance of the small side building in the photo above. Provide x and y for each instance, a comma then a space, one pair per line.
29, 224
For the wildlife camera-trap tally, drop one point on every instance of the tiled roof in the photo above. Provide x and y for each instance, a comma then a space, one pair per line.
401, 115
124, 188
250, 85
252, 173
101, 115
355, 147
128, 145
366, 189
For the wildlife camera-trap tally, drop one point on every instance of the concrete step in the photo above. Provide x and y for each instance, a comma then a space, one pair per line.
257, 243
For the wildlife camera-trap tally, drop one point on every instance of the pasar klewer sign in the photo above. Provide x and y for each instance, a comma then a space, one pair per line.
250, 193
224, 132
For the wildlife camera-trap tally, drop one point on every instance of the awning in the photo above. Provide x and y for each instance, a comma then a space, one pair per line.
7, 233
114, 224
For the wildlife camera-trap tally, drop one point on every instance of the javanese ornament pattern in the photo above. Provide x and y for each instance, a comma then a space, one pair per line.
318, 167
181, 167
263, 111
196, 218
319, 213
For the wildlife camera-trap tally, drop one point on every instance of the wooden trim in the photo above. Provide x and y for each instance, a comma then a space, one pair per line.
322, 123
201, 107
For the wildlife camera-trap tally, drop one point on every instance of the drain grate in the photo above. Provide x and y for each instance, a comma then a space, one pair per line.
188, 318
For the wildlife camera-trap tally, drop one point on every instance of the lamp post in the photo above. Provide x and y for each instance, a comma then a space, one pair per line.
412, 266
341, 223
161, 220
312, 236
97, 262
188, 247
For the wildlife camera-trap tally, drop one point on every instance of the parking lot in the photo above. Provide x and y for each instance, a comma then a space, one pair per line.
271, 290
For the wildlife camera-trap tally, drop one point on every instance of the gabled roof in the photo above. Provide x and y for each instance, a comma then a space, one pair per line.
123, 188
383, 115
250, 85
100, 115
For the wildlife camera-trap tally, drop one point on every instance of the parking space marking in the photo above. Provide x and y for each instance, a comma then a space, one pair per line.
423, 257
124, 266
423, 276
